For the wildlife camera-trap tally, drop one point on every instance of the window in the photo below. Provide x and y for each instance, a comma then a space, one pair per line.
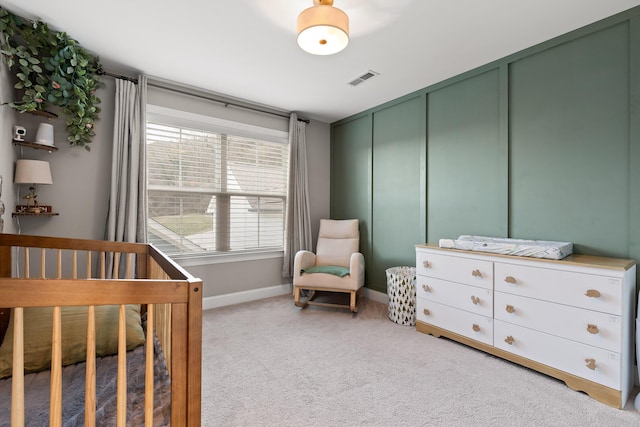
214, 186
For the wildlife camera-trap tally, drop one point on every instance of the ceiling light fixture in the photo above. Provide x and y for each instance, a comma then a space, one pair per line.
323, 29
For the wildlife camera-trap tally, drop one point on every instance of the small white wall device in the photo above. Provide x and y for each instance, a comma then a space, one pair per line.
18, 133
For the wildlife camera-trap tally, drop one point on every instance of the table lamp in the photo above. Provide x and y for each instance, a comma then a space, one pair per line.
32, 172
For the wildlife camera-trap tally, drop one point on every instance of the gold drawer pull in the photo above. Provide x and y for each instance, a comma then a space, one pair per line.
509, 340
476, 328
510, 308
592, 293
475, 300
426, 264
426, 288
593, 329
476, 273
510, 279
591, 364
427, 312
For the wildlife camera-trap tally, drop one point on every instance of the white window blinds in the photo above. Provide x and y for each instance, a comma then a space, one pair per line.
211, 188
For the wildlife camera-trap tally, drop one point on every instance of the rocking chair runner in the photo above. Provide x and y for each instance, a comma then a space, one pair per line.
337, 266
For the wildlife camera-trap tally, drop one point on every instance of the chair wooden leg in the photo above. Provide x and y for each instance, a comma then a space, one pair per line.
354, 301
296, 296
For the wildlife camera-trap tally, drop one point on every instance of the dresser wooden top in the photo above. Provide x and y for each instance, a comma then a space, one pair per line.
574, 259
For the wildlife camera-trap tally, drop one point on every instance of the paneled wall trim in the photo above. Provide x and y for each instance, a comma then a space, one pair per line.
542, 144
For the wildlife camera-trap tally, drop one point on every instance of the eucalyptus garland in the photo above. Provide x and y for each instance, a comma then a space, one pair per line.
51, 68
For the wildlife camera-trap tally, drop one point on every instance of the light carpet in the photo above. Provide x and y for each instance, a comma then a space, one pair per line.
269, 363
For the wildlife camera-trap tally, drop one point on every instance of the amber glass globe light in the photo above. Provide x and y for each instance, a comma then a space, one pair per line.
323, 29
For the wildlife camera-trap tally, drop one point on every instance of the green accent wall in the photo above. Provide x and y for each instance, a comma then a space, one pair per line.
542, 144
351, 157
398, 193
467, 169
569, 143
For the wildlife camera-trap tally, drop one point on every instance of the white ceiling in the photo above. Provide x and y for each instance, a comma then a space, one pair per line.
247, 49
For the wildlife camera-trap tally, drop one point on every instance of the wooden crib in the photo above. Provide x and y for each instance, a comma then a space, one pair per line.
55, 272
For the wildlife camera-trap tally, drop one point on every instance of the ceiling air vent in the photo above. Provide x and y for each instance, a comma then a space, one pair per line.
361, 79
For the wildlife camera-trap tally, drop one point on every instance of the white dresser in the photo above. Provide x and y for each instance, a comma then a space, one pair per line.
571, 319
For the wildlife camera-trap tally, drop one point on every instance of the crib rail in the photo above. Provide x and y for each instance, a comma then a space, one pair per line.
57, 272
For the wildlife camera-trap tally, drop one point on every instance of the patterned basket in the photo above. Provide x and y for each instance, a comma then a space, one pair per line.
401, 291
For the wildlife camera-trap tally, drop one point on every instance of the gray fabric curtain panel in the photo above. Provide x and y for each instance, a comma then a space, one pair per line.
298, 218
126, 218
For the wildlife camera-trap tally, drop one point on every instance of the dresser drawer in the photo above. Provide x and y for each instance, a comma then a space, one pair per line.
586, 326
470, 298
470, 325
569, 356
593, 292
470, 271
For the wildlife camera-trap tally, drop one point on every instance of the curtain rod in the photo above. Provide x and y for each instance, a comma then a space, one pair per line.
102, 72
226, 103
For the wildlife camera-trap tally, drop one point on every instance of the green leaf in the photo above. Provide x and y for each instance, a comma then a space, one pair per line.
40, 58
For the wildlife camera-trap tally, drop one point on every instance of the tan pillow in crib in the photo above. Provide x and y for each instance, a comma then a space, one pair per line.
37, 335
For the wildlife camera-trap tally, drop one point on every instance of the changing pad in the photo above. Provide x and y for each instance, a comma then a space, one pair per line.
507, 246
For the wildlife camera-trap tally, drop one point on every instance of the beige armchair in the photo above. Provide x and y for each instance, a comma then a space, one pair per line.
337, 266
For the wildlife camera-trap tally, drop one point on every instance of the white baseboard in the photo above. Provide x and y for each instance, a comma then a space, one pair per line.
271, 291
245, 296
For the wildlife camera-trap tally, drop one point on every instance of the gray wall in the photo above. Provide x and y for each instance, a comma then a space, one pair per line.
80, 189
81, 181
7, 119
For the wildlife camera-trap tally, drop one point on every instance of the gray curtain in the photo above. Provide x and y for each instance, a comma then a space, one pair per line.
298, 218
127, 215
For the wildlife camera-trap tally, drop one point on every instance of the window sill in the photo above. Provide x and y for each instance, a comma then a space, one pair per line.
193, 260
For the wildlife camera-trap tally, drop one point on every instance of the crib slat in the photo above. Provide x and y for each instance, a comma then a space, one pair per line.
148, 377
59, 273
90, 373
88, 265
17, 382
55, 399
128, 276
74, 265
103, 260
122, 369
55, 390
26, 263
116, 265
42, 263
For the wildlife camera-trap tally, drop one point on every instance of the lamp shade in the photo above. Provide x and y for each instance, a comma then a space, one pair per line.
32, 172
323, 29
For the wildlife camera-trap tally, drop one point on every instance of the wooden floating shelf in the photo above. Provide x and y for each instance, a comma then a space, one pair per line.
34, 214
47, 114
23, 210
36, 146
